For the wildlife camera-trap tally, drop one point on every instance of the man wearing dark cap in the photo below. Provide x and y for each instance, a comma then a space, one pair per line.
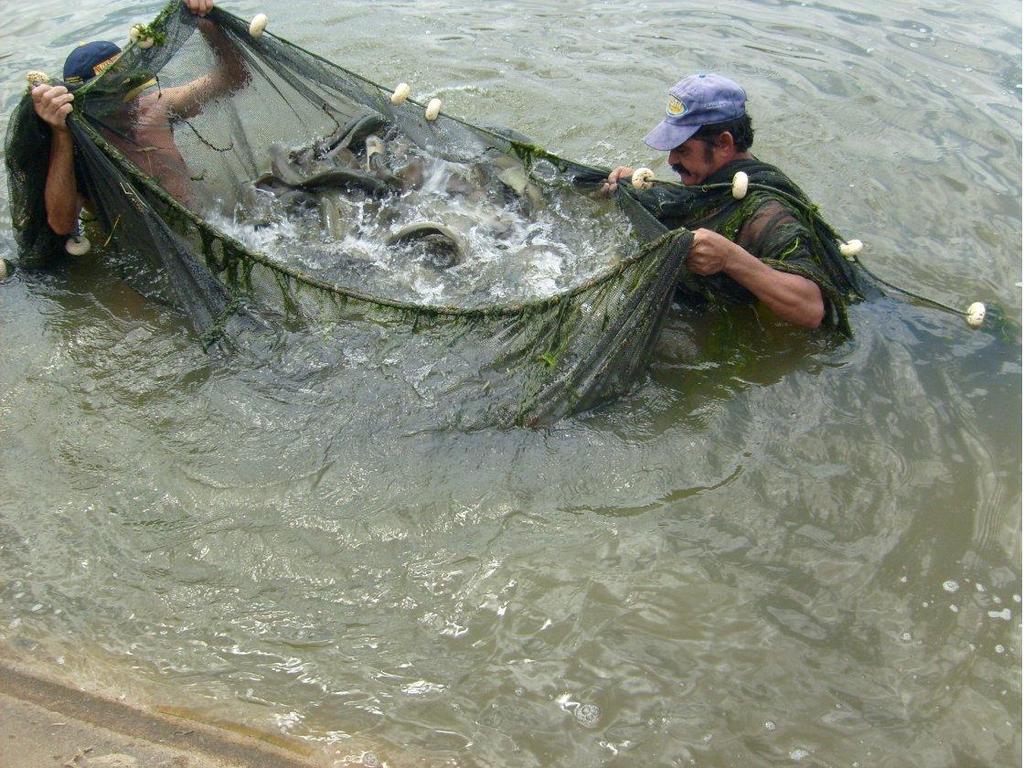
149, 140
758, 249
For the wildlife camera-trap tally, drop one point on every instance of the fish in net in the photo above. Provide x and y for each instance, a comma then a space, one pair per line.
297, 192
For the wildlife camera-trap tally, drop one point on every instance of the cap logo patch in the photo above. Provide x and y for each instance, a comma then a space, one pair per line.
103, 65
675, 107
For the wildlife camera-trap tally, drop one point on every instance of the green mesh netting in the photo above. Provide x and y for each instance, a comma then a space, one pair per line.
295, 192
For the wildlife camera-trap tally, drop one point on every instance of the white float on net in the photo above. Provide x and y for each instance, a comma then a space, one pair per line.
141, 35
257, 25
402, 92
643, 178
433, 109
35, 78
976, 314
739, 185
851, 248
77, 245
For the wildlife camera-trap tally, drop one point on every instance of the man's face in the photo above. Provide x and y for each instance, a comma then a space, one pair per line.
694, 160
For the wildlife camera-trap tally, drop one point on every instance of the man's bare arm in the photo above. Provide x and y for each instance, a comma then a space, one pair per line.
790, 297
53, 104
230, 74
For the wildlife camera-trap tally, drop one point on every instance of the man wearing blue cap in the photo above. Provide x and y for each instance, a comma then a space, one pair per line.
707, 133
150, 142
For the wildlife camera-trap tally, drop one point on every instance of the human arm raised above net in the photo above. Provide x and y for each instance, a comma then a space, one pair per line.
199, 7
186, 101
52, 104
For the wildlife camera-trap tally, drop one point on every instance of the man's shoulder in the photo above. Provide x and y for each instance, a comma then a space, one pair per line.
152, 103
772, 210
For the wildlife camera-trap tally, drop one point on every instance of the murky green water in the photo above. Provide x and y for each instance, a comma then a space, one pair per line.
772, 553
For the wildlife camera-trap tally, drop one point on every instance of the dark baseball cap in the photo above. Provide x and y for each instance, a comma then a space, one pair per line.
88, 60
693, 102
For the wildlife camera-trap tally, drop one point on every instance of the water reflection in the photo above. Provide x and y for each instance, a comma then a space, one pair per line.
776, 550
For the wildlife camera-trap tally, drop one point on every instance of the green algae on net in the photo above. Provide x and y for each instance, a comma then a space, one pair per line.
290, 207
499, 354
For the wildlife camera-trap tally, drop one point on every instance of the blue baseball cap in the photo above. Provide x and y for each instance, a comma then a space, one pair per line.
89, 60
693, 102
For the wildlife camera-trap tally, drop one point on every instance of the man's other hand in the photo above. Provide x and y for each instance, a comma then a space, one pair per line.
53, 104
612, 184
709, 253
199, 7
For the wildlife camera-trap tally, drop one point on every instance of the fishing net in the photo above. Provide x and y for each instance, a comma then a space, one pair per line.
257, 186
776, 222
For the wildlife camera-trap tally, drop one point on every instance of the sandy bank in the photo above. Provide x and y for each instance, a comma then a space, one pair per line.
44, 722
